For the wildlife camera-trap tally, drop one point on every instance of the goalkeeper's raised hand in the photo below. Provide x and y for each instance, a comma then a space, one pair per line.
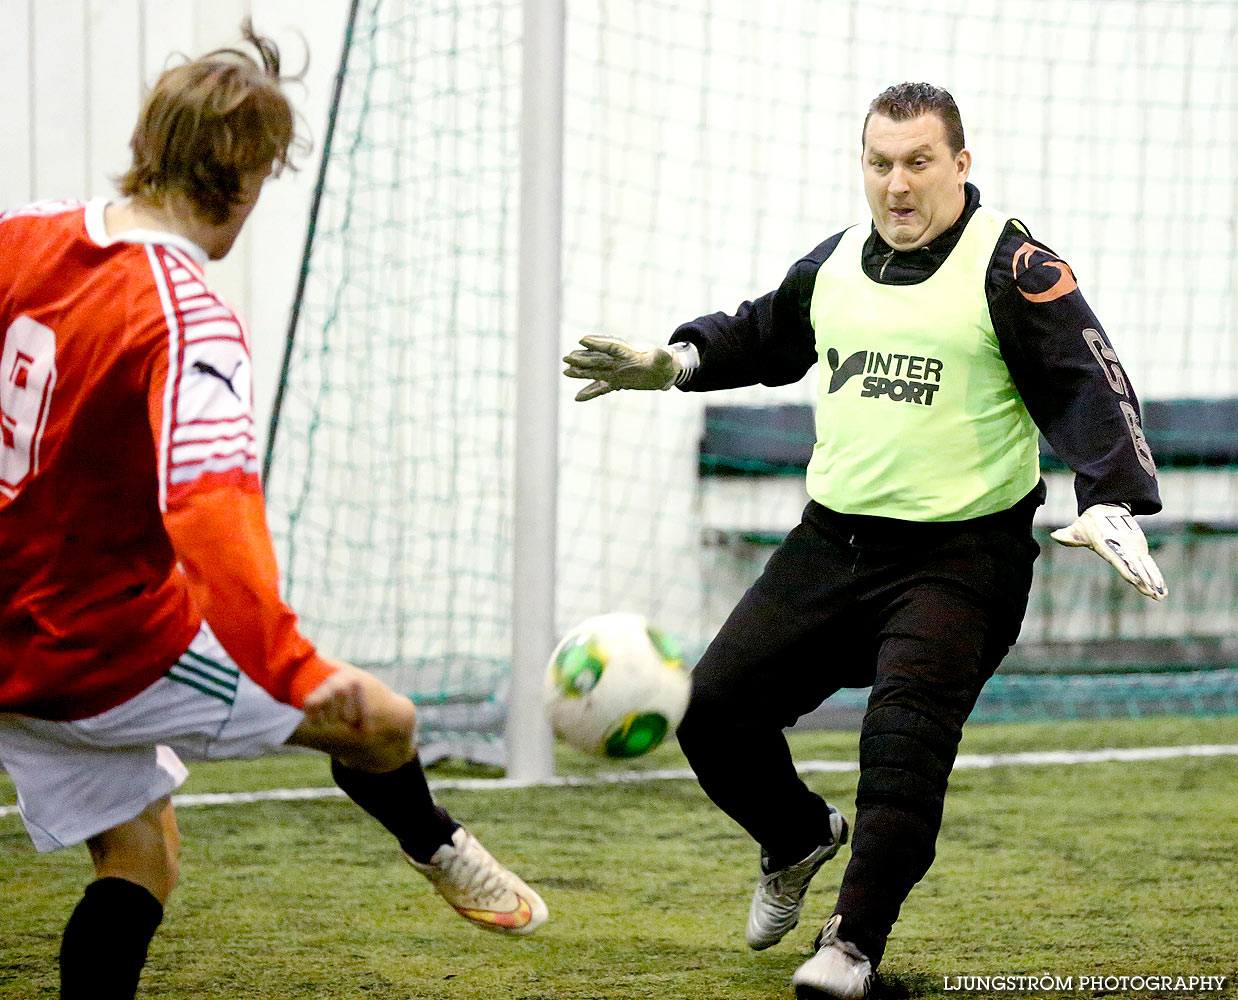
615, 364
1111, 532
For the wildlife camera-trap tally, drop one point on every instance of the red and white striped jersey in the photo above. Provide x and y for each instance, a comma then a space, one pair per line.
130, 505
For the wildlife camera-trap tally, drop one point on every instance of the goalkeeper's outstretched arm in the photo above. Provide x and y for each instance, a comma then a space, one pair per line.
769, 340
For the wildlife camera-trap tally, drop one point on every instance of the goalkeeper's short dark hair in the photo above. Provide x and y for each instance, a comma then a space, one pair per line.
905, 101
207, 124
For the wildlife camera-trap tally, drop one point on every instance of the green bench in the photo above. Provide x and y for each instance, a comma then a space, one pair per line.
743, 441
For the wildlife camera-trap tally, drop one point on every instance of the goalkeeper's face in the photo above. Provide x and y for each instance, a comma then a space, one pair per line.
913, 182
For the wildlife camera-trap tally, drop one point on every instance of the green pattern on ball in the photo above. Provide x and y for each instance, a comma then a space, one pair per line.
666, 645
578, 669
637, 735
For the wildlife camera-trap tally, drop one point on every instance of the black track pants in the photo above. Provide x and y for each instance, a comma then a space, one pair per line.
922, 612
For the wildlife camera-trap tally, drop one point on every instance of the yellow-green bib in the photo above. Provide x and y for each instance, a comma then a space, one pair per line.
917, 415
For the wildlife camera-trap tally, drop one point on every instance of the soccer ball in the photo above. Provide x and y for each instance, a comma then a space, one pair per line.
615, 686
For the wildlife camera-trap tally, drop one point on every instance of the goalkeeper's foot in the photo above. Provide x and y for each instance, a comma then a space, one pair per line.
838, 970
480, 889
779, 895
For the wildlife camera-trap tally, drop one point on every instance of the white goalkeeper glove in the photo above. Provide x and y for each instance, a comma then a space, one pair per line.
1111, 532
615, 364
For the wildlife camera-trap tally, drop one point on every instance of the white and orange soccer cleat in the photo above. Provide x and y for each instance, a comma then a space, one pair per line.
480, 889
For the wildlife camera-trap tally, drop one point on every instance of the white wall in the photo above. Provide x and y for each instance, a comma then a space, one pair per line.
73, 72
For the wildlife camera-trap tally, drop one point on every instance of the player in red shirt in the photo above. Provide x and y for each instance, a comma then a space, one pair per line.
140, 616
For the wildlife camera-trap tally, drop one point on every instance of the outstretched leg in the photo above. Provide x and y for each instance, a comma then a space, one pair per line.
368, 731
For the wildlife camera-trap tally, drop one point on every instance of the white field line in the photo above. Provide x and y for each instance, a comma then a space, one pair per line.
964, 762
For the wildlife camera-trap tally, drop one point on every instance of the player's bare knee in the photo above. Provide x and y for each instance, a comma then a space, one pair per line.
392, 743
386, 744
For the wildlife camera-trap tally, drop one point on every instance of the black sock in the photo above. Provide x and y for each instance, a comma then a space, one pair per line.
802, 838
105, 941
401, 801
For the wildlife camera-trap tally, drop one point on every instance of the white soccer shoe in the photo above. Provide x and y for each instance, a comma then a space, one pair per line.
838, 970
480, 889
779, 895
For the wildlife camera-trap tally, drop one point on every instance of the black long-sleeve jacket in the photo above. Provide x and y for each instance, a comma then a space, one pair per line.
1060, 360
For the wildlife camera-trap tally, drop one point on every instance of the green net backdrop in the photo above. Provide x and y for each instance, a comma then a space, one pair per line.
708, 145
390, 485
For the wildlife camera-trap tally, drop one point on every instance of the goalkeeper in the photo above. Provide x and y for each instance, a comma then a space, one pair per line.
947, 335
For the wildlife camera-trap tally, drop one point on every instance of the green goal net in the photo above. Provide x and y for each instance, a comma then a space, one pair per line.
390, 478
707, 145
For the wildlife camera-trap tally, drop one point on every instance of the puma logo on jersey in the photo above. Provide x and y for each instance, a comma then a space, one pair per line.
208, 369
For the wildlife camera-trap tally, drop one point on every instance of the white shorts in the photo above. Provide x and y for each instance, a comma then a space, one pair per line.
77, 779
